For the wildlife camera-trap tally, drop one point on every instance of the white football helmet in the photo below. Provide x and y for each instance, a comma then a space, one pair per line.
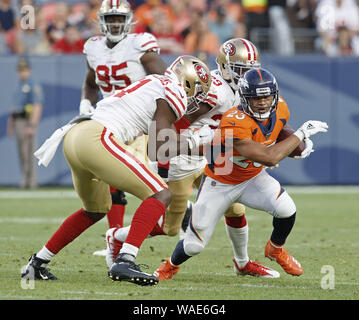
235, 57
195, 78
115, 31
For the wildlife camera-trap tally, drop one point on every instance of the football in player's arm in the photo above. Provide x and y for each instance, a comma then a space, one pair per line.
250, 132
235, 57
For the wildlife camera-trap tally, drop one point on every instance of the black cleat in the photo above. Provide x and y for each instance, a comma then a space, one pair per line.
125, 269
36, 270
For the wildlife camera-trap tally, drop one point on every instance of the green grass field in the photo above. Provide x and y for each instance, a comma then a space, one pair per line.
325, 233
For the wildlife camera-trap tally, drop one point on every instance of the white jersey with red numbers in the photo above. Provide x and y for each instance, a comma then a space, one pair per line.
220, 97
129, 112
118, 67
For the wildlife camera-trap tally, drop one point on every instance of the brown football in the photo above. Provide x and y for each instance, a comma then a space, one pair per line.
284, 134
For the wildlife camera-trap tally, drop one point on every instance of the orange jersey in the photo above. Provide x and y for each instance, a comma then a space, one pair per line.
229, 166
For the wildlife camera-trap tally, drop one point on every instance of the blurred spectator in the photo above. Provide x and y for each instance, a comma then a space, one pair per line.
9, 16
146, 12
281, 38
221, 26
182, 15
256, 15
234, 10
71, 42
200, 38
82, 18
56, 29
24, 119
338, 26
168, 41
3, 45
94, 6
32, 40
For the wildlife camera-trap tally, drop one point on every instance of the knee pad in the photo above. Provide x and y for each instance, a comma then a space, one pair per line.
235, 210
192, 247
286, 207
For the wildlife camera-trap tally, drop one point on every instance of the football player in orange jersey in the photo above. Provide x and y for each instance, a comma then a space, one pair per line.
235, 57
247, 142
114, 61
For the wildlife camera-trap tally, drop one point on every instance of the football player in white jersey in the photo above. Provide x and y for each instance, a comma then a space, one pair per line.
114, 61
235, 57
100, 154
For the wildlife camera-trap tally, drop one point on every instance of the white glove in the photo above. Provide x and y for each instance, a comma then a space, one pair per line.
307, 151
86, 107
310, 128
200, 137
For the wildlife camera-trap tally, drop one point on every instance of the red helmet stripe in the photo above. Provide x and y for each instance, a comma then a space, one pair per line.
250, 47
249, 54
254, 51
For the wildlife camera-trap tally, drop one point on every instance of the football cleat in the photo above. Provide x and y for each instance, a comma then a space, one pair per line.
125, 269
255, 269
283, 258
36, 270
113, 246
166, 270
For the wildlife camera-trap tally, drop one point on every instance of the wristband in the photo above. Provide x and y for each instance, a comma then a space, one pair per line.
299, 134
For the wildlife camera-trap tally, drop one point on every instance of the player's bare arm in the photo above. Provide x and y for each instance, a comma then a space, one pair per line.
90, 89
164, 118
203, 109
153, 63
268, 156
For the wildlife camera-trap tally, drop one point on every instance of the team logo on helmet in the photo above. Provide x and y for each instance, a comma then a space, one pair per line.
202, 73
229, 48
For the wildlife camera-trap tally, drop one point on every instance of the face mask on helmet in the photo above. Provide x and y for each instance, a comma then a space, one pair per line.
115, 21
259, 94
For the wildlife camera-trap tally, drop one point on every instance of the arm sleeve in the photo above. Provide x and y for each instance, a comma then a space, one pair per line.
177, 100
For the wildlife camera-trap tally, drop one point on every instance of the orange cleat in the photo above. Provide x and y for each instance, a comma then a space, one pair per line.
282, 257
166, 270
255, 269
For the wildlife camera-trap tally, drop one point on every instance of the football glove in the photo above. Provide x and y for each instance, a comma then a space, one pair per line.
310, 128
200, 137
307, 151
86, 107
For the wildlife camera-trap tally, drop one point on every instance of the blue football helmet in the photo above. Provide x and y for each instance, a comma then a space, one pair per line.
258, 83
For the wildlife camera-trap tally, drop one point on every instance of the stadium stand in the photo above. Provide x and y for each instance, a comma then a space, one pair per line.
282, 27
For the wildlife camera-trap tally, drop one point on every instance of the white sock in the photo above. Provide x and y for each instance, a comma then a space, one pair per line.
121, 234
239, 240
45, 254
129, 248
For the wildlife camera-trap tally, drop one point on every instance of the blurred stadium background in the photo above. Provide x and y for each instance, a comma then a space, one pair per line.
311, 46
